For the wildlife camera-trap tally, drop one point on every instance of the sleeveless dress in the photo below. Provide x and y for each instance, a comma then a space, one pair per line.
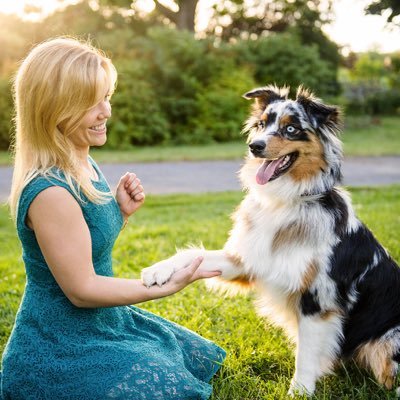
58, 351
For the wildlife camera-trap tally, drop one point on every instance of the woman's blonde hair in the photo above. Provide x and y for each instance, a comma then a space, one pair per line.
55, 86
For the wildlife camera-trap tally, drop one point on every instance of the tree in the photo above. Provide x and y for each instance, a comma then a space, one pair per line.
75, 19
183, 18
239, 18
378, 7
235, 18
282, 59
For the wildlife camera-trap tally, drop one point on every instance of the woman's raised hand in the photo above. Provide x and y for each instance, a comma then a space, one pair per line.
130, 194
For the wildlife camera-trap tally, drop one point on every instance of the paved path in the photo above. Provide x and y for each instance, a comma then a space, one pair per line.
217, 176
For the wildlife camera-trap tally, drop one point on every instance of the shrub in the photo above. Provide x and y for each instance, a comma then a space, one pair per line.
283, 60
6, 113
383, 102
137, 116
221, 108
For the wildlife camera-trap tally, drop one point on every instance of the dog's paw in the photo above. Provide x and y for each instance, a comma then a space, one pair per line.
297, 388
158, 273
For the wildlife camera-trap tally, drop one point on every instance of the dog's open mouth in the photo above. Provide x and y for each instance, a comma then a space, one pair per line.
272, 169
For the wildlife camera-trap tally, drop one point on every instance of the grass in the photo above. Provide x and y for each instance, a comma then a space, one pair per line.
260, 359
361, 138
378, 137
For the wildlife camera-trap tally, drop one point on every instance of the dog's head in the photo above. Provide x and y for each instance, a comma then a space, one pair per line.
293, 144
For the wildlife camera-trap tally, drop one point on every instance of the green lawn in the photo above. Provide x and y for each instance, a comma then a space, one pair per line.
361, 137
260, 360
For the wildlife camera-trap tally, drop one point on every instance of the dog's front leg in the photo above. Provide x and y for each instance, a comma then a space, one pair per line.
213, 260
317, 348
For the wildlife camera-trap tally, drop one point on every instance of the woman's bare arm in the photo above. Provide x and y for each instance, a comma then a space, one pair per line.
65, 241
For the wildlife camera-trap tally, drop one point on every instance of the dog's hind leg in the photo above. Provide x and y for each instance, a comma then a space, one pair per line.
318, 347
382, 357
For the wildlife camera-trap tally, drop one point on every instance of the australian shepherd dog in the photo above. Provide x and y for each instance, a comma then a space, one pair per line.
320, 272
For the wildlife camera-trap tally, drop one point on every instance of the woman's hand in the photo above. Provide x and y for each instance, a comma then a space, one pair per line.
180, 279
129, 195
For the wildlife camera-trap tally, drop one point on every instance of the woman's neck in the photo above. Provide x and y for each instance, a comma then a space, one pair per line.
83, 159
82, 155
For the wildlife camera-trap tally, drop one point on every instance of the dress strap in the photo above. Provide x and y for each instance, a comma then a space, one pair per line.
100, 175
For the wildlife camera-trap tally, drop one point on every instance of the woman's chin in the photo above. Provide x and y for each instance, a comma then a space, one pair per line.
98, 141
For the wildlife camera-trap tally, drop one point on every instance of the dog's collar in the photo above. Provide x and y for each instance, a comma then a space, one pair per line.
317, 195
314, 195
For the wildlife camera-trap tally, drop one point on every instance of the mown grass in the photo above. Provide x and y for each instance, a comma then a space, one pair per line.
362, 137
260, 359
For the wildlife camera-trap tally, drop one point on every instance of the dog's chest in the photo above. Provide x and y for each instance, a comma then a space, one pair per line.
281, 246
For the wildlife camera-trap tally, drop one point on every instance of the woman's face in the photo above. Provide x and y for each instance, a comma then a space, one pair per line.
92, 130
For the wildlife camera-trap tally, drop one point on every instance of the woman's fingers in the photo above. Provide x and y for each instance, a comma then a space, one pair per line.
133, 187
208, 274
136, 190
131, 178
197, 273
202, 274
124, 179
139, 197
195, 264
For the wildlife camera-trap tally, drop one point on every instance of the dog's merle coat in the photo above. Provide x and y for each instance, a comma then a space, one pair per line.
320, 272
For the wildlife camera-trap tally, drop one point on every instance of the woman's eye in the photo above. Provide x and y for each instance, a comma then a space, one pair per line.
290, 129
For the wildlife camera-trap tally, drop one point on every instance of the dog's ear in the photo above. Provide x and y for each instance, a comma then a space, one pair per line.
267, 95
319, 113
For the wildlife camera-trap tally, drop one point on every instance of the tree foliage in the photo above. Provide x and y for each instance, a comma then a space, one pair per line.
174, 88
372, 85
240, 18
378, 7
183, 17
283, 59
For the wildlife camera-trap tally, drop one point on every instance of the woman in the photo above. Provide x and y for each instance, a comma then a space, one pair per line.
75, 335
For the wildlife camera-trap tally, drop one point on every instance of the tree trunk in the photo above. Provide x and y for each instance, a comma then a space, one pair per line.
184, 18
187, 14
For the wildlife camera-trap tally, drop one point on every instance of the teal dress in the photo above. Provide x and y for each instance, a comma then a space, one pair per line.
58, 351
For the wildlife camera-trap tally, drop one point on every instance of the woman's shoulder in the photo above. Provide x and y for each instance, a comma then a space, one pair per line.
39, 182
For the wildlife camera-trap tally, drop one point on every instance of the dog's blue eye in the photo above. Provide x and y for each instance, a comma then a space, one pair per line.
290, 129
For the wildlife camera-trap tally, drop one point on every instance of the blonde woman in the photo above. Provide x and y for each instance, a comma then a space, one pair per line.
75, 334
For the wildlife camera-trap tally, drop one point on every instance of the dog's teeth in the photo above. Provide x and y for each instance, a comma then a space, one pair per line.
285, 160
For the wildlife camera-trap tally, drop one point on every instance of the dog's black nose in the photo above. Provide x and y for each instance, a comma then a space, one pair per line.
257, 147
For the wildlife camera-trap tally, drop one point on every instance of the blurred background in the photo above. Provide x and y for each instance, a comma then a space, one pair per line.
184, 64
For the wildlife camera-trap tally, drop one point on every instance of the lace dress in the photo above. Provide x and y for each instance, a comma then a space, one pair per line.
58, 351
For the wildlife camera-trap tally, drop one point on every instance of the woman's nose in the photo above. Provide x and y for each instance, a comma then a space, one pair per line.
106, 111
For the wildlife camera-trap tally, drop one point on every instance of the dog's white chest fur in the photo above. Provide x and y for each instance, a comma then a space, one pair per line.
279, 244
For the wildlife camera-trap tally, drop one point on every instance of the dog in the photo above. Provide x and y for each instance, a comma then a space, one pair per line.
320, 272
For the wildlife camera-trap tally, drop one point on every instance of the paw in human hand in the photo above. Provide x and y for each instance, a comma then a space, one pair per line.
159, 273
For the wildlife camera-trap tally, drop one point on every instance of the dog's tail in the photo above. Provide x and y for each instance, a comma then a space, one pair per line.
382, 357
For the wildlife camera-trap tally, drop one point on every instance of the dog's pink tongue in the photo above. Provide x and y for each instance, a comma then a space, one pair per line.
266, 171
